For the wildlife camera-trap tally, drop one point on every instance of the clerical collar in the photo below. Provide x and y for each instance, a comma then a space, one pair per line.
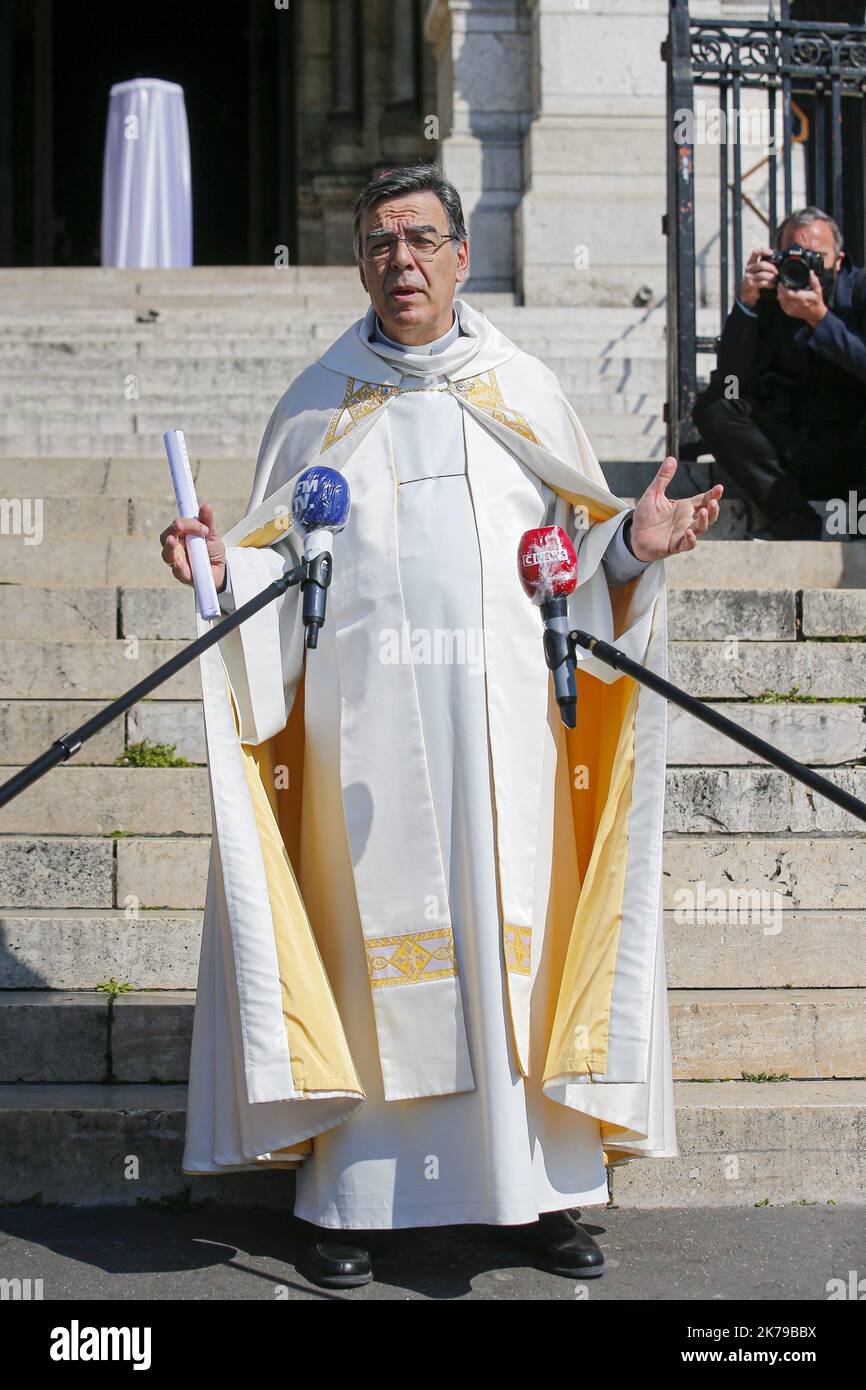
428, 349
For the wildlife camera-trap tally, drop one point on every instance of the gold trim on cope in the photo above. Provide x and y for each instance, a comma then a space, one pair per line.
518, 948
482, 391
359, 401
411, 959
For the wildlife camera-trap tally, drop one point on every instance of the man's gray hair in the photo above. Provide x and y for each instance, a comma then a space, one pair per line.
802, 218
410, 178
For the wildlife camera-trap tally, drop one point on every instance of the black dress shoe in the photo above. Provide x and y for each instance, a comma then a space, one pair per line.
334, 1265
560, 1245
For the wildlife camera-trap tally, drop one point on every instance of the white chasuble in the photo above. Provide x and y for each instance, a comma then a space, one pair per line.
432, 971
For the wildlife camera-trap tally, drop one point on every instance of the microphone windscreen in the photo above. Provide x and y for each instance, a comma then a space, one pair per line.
320, 500
546, 563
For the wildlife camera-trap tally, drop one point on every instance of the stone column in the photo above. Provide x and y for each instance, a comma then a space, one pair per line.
588, 228
482, 51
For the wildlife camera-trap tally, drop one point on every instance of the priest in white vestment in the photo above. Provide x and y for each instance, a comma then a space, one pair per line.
432, 975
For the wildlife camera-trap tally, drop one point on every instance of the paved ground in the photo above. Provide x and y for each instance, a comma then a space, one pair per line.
147, 1253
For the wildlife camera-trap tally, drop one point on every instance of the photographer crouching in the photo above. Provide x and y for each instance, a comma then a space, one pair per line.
785, 409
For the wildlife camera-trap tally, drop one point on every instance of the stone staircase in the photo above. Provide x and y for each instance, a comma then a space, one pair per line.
103, 867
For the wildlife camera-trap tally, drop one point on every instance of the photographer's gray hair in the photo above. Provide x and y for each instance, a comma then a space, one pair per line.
803, 217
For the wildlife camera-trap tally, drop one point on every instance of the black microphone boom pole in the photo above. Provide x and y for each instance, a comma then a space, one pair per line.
612, 656
63, 747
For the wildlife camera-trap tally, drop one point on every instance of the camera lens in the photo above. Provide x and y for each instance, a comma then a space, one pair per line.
794, 273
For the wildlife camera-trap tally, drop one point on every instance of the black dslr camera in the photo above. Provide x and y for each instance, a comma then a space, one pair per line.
794, 264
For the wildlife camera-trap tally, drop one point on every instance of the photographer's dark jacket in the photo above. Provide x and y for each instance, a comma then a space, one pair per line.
816, 377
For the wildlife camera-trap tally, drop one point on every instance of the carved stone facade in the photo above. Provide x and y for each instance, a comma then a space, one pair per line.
547, 115
365, 80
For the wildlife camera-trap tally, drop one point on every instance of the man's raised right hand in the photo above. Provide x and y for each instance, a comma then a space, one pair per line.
174, 551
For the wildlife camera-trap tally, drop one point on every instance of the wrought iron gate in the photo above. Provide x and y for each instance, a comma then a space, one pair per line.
820, 71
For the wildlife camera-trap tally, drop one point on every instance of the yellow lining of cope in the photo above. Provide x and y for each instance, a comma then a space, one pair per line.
320, 1056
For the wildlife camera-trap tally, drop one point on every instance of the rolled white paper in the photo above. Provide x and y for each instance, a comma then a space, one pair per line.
187, 505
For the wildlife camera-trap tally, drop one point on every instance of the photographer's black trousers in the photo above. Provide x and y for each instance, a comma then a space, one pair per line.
778, 464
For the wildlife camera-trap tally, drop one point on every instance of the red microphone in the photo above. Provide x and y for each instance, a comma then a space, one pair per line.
547, 566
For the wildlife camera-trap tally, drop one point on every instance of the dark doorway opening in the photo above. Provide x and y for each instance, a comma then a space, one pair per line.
234, 60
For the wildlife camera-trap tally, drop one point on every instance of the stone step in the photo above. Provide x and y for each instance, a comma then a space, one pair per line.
29, 727
82, 949
38, 369
99, 669
720, 615
98, 614
154, 800
770, 565
833, 613
78, 562
135, 443
766, 877
814, 1034
82, 515
58, 872
139, 350
745, 670
736, 942
51, 1036
123, 478
121, 337
148, 419
62, 284
104, 668
313, 289
94, 1127
743, 1143
83, 614
126, 445
61, 515
27, 306
757, 800
100, 800
77, 407
72, 615
66, 1037
146, 477
740, 1143
64, 853
820, 735
55, 282
816, 942
135, 872
269, 282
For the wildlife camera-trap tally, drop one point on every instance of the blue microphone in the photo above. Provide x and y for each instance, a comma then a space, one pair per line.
320, 508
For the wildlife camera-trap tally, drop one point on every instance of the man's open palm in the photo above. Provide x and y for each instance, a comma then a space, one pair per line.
661, 527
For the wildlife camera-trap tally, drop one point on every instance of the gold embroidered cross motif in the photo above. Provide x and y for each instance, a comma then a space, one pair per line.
358, 401
483, 391
518, 949
413, 958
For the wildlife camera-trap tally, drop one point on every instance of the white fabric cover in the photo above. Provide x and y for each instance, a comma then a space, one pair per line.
146, 178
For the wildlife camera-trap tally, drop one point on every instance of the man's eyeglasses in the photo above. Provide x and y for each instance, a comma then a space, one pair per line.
423, 245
